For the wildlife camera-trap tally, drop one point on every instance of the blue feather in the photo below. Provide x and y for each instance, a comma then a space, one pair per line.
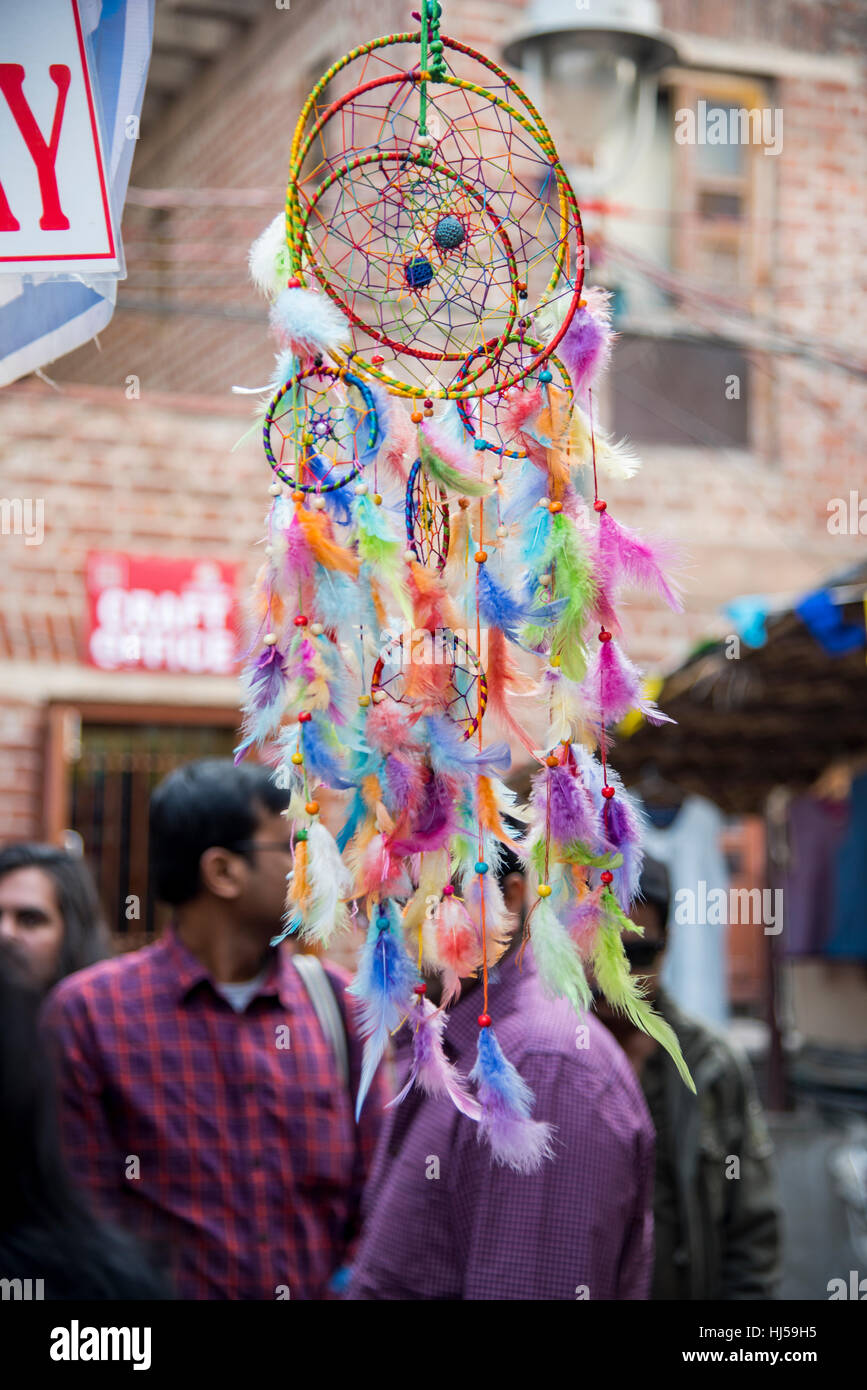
499, 608
383, 984
531, 487
446, 747
319, 756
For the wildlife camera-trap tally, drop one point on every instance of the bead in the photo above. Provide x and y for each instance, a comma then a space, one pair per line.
419, 989
604, 636
599, 505
544, 580
304, 717
364, 701
437, 46
555, 507
481, 867
377, 499
543, 502
546, 376
318, 503
301, 835
377, 360
480, 557
607, 876
297, 759
361, 489
449, 233
428, 414
484, 1020
270, 639
307, 438
269, 550
555, 660
416, 417
300, 620
293, 283
480, 445
275, 489
448, 891
312, 808
544, 890
409, 556
608, 792
428, 405
552, 760
418, 272
378, 697
497, 474
502, 531
316, 629
520, 284
317, 361
425, 141
463, 503
522, 294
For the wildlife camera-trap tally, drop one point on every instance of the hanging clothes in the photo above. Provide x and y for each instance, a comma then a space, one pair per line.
817, 829
848, 935
695, 966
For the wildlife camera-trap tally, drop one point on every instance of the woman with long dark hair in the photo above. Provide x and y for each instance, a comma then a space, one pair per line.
50, 913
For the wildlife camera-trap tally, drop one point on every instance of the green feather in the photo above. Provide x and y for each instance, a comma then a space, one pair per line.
561, 972
573, 581
381, 552
623, 992
446, 475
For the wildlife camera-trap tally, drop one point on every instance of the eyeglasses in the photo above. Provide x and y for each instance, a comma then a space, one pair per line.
642, 954
287, 846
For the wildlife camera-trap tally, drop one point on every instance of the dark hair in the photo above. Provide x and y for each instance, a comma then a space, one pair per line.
654, 887
47, 1230
200, 805
85, 934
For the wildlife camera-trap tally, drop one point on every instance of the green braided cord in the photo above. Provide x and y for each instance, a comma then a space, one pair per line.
422, 86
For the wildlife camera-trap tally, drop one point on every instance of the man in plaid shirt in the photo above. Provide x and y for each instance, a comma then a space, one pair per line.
200, 1096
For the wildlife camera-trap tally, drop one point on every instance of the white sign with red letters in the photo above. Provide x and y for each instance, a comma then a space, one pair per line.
55, 214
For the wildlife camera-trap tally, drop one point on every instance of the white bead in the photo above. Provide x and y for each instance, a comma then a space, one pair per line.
502, 531
378, 697
425, 141
360, 489
409, 556
269, 550
498, 473
275, 489
318, 503
543, 502
545, 579
317, 629
270, 639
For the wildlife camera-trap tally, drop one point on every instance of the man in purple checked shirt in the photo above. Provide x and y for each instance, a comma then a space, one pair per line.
206, 1081
442, 1221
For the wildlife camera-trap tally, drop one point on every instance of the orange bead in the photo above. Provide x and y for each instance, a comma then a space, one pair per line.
463, 503
298, 497
556, 507
416, 417
480, 557
552, 760
311, 808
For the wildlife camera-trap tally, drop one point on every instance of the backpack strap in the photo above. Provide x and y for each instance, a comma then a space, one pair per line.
321, 992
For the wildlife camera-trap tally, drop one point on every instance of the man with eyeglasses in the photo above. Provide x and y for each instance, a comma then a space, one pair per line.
206, 1081
716, 1215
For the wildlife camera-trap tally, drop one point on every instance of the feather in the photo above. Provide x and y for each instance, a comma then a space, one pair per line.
517, 1141
448, 751
503, 676
446, 464
324, 913
265, 683
615, 459
558, 960
308, 323
431, 604
500, 608
624, 825
431, 1071
268, 258
484, 892
404, 784
573, 581
453, 944
520, 410
563, 801
384, 984
322, 758
626, 557
326, 551
622, 989
458, 559
583, 919
433, 873
381, 551
585, 347
434, 821
489, 812
613, 687
526, 494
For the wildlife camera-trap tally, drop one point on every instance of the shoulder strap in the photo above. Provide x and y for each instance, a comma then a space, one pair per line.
318, 986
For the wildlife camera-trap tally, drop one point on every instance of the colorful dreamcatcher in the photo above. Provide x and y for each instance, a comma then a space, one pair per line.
436, 590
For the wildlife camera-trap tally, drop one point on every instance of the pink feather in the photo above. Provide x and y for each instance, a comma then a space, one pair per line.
582, 920
458, 946
627, 557
612, 688
521, 409
431, 1070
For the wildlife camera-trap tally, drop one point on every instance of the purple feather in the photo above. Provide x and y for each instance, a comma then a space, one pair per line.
299, 560
431, 1070
625, 556
500, 608
403, 784
434, 824
612, 688
267, 680
450, 752
585, 348
572, 813
517, 1141
623, 825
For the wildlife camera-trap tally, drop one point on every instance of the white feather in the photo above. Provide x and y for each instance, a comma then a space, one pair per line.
268, 258
329, 882
307, 322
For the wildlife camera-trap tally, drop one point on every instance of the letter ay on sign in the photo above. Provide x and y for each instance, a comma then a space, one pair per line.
55, 215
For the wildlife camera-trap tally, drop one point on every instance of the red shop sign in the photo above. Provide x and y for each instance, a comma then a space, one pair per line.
153, 613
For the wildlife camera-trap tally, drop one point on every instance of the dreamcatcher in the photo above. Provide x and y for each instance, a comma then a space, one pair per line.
431, 565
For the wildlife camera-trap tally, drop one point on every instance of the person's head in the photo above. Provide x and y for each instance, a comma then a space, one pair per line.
513, 883
645, 952
219, 843
50, 913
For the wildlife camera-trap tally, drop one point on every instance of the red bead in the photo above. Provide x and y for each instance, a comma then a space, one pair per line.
304, 717
599, 505
293, 283
607, 876
428, 405
484, 1020
604, 636
301, 621
377, 360
419, 989
448, 890
608, 792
